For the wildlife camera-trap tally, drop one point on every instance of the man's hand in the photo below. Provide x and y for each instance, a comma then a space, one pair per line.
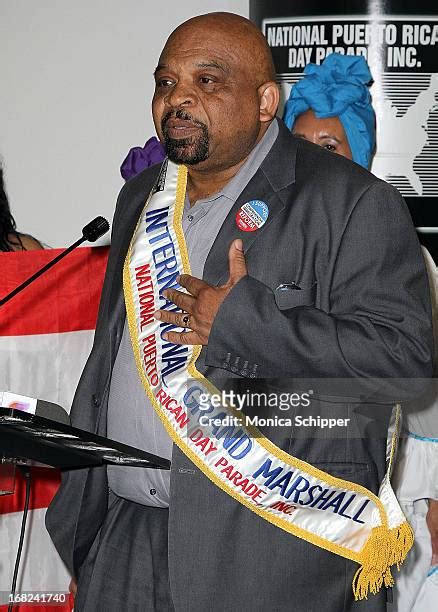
432, 523
201, 304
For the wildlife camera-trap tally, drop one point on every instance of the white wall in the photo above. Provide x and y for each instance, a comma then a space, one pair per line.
75, 90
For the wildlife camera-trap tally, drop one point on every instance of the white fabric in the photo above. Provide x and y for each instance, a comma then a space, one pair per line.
41, 568
416, 473
45, 366
415, 481
427, 598
414, 590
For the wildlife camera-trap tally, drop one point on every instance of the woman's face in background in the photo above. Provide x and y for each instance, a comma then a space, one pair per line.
327, 133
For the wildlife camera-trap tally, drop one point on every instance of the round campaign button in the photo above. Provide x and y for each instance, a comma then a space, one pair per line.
252, 215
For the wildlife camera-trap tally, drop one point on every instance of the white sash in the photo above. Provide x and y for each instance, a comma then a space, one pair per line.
337, 515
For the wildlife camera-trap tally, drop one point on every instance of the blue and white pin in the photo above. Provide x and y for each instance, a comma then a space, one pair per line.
252, 215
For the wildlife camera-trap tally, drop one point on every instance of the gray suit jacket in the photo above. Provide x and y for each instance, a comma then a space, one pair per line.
347, 239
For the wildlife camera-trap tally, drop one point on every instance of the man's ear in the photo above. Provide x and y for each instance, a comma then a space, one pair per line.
269, 97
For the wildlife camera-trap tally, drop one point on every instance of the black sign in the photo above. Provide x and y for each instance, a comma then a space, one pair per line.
402, 51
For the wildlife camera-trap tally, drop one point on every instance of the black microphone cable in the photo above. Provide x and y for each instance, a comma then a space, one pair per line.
27, 475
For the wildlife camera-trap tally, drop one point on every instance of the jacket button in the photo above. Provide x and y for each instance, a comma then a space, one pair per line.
96, 401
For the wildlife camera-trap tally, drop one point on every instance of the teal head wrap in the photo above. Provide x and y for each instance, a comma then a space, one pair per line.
338, 88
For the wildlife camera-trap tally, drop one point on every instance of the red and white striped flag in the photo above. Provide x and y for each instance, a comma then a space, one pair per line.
46, 333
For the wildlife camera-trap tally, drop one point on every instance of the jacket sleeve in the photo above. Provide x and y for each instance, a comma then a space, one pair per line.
378, 323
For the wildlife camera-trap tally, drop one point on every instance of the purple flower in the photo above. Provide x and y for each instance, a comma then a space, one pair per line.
140, 158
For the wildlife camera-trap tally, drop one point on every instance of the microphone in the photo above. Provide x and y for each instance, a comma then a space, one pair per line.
91, 232
95, 229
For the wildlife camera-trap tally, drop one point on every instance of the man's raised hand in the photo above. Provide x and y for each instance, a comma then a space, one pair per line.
201, 303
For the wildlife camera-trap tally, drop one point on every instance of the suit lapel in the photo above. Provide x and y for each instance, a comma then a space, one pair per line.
216, 265
268, 184
116, 304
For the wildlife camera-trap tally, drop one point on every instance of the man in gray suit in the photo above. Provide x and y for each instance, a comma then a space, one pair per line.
139, 540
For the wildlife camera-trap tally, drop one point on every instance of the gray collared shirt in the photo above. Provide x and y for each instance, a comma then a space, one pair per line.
131, 418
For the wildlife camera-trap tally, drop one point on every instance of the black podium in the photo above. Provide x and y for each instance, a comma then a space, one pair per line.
33, 439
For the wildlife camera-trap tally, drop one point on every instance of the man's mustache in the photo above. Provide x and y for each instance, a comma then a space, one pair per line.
184, 116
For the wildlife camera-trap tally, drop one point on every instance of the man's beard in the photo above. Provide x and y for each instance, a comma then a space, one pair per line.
190, 150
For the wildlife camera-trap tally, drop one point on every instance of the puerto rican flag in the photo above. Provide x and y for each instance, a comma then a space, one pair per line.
46, 334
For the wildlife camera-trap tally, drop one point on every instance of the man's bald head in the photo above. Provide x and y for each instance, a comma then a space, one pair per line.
236, 30
215, 92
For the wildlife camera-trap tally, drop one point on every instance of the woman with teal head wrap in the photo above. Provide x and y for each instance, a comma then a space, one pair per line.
338, 88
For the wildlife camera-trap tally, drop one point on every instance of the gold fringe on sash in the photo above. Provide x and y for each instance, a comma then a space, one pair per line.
384, 548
